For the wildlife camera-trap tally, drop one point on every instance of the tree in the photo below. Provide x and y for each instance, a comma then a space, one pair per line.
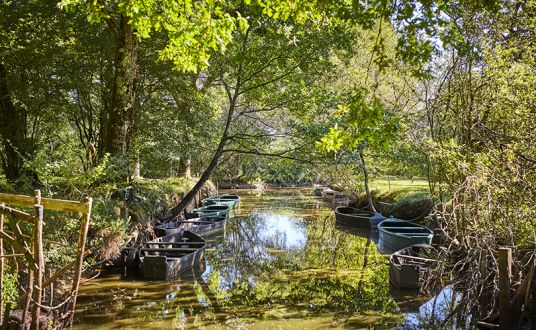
361, 125
30, 44
262, 76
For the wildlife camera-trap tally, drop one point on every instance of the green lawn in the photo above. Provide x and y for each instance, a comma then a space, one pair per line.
399, 188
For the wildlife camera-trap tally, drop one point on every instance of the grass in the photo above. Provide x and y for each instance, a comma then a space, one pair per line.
400, 188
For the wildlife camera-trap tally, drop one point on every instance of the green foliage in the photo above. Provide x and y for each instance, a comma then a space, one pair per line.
9, 289
361, 124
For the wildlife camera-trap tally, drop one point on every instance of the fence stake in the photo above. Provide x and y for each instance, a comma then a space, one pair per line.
1, 265
38, 256
505, 275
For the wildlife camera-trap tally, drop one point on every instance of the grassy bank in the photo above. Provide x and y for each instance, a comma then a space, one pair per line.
400, 188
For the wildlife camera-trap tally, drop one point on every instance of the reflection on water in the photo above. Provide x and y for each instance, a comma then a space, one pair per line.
281, 263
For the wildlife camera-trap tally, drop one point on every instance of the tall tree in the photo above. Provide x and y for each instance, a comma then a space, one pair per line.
13, 131
122, 112
265, 75
30, 41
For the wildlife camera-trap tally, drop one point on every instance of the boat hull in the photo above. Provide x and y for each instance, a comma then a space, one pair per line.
209, 211
201, 226
163, 263
230, 200
328, 194
407, 273
230, 203
354, 217
398, 234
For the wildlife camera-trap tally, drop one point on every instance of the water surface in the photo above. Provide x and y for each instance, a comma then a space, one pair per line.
281, 263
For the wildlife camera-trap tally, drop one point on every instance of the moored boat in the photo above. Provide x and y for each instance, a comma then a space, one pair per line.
209, 211
356, 217
340, 200
329, 194
230, 200
318, 190
396, 234
204, 226
407, 267
170, 255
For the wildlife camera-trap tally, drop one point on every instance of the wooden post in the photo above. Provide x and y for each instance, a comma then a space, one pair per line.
389, 181
38, 256
1, 264
51, 289
81, 252
532, 292
505, 275
29, 294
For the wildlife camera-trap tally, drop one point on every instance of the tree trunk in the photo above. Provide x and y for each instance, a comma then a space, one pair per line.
211, 166
122, 110
185, 167
137, 167
13, 135
233, 98
367, 187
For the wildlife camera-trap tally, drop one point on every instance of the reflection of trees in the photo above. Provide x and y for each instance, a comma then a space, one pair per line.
250, 275
334, 272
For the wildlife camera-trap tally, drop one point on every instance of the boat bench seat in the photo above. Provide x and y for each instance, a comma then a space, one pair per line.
169, 249
415, 234
407, 230
176, 243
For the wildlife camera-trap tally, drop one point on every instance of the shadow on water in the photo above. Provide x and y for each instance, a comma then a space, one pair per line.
281, 263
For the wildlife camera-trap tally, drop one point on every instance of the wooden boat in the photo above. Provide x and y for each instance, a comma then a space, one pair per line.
204, 226
318, 190
230, 200
170, 255
355, 217
408, 266
209, 211
340, 200
329, 194
396, 234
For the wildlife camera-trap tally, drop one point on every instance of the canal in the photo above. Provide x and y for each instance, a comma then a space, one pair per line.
281, 263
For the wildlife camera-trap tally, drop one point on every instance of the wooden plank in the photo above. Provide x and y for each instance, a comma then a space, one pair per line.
48, 203
505, 275
519, 299
405, 256
175, 243
168, 250
19, 248
487, 325
20, 215
404, 228
194, 222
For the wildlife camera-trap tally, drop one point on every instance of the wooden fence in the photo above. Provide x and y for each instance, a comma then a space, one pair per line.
30, 249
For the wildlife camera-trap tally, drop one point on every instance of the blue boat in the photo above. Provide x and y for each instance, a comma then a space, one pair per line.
205, 226
396, 234
358, 218
230, 200
216, 210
